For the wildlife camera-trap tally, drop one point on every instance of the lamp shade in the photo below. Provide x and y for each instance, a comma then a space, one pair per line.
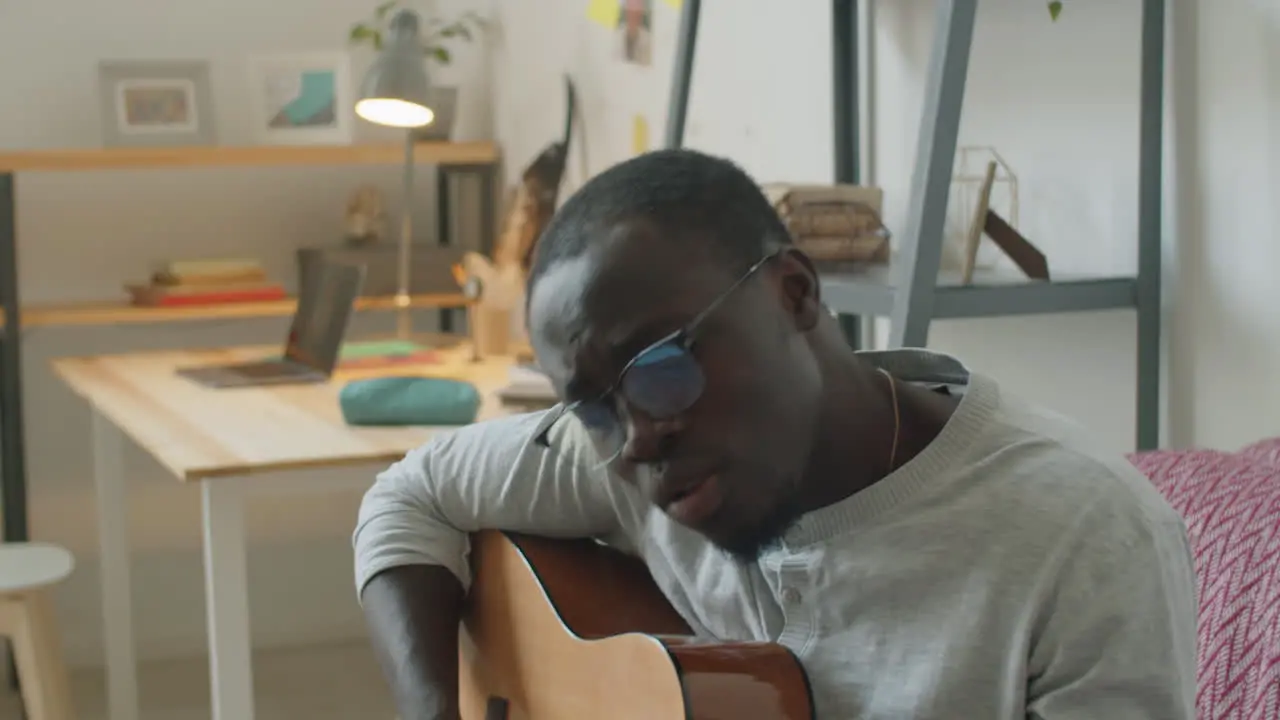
395, 91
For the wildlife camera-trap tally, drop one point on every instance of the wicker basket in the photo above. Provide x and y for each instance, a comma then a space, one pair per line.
833, 222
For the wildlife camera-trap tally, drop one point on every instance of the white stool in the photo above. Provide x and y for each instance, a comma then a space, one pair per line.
27, 570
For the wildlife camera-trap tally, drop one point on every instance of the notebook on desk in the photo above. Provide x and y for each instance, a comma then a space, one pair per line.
314, 342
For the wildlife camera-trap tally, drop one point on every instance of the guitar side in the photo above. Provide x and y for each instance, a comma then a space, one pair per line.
571, 629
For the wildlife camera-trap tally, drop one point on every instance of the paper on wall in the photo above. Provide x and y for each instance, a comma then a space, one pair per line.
604, 12
639, 135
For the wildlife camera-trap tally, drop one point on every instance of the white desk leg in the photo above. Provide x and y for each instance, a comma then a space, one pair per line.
113, 541
226, 592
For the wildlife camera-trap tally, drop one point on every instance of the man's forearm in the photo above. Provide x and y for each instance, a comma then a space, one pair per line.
413, 614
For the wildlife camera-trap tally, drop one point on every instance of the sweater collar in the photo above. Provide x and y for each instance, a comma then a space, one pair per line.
980, 398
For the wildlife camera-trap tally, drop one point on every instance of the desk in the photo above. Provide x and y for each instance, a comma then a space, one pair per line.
229, 443
451, 159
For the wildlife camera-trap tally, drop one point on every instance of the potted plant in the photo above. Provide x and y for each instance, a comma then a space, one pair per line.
436, 34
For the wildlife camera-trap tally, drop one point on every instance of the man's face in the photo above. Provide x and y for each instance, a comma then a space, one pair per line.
728, 467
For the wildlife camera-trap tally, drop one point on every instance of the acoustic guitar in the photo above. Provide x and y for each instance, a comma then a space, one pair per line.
573, 630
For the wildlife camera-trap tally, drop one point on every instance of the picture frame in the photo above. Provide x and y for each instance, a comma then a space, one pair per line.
151, 103
302, 99
635, 31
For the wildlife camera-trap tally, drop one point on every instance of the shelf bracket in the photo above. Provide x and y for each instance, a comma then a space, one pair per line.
682, 73
846, 119
1150, 197
921, 249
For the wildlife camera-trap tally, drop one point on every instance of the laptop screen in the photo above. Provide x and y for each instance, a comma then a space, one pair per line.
324, 310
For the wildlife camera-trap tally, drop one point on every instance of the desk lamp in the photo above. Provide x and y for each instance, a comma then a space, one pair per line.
395, 93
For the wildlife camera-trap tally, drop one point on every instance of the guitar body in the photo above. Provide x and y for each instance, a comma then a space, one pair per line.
571, 629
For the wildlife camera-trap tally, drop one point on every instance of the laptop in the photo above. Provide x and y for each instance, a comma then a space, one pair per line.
315, 337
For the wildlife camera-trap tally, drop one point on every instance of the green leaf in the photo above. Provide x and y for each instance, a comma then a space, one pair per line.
361, 33
384, 8
440, 54
1055, 9
456, 30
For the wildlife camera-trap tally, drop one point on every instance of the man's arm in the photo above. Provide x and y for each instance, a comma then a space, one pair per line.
413, 614
411, 541
1120, 638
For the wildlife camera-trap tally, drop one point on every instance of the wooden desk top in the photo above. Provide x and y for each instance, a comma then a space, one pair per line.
199, 432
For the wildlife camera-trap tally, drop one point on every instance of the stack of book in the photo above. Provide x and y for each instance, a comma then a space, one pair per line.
380, 355
206, 282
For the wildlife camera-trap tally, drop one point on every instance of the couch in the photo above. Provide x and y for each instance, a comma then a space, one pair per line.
1231, 504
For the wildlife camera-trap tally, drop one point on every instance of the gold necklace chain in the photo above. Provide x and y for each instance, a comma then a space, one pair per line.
897, 418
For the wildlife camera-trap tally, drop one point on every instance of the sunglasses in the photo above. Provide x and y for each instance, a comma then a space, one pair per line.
662, 381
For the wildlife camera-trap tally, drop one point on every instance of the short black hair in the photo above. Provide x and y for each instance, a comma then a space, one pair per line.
690, 196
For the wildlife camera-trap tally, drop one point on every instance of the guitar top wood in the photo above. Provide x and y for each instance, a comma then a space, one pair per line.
568, 629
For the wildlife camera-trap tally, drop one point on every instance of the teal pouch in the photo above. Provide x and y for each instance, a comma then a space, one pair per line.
409, 401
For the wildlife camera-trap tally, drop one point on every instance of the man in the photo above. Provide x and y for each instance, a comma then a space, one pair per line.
926, 544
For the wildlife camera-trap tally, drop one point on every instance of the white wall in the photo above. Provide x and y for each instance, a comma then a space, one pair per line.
1060, 102
81, 236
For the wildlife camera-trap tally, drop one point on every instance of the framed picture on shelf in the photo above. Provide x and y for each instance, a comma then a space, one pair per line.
302, 99
635, 31
147, 103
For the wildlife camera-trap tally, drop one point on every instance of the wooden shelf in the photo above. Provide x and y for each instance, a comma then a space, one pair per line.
871, 290
428, 153
121, 313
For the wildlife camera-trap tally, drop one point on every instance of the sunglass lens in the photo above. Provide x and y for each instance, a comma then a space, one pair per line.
595, 416
664, 381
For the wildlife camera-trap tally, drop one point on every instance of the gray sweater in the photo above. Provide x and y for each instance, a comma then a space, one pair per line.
1010, 570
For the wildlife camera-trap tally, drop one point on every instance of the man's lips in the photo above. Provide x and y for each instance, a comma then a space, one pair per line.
689, 503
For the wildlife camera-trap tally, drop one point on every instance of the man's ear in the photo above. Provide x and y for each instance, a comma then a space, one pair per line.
801, 292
